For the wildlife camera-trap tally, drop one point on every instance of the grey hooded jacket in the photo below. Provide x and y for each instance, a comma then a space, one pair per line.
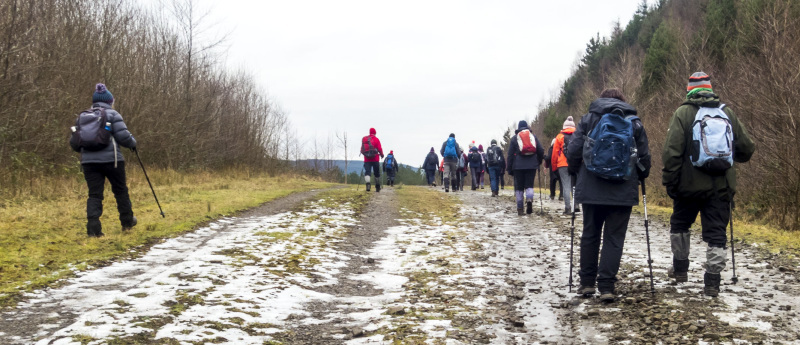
122, 137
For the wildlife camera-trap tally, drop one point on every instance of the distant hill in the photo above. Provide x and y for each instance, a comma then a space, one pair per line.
353, 166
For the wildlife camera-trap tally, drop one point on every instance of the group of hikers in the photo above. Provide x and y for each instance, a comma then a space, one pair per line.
600, 163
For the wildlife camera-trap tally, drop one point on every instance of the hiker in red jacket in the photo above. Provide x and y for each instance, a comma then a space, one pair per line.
373, 152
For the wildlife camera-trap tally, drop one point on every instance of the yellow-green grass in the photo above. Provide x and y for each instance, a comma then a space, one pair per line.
43, 236
429, 203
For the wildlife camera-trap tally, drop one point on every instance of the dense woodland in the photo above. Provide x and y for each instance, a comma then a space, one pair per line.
751, 50
165, 70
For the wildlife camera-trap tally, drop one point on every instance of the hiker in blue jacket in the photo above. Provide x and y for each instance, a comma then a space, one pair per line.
607, 204
390, 168
107, 163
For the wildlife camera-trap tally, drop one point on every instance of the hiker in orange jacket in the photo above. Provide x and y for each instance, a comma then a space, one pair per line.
558, 161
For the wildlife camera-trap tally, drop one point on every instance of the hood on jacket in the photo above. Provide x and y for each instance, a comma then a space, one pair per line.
473, 149
521, 126
608, 105
432, 150
569, 130
372, 131
703, 99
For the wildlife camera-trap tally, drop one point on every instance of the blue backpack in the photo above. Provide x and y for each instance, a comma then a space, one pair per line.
712, 141
388, 161
450, 148
609, 151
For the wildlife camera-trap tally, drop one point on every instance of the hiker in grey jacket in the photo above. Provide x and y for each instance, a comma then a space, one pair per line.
107, 163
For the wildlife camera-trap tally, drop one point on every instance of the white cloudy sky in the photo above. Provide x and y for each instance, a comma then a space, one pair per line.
414, 70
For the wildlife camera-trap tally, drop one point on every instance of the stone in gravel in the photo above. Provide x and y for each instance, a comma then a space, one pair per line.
711, 336
396, 310
726, 335
519, 323
593, 312
370, 260
692, 329
402, 250
354, 331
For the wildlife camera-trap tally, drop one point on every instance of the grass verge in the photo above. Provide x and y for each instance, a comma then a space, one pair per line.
43, 236
429, 203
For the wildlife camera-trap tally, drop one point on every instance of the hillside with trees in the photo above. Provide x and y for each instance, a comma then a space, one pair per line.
751, 50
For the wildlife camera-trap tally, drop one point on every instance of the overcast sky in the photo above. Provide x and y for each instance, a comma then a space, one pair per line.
414, 70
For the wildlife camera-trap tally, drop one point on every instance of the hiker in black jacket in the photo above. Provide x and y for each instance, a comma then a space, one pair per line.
494, 164
430, 166
523, 165
606, 204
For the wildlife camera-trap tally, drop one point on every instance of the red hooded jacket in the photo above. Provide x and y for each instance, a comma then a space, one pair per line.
376, 143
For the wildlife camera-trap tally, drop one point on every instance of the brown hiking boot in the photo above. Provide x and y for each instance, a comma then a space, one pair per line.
711, 282
586, 291
680, 277
520, 212
607, 297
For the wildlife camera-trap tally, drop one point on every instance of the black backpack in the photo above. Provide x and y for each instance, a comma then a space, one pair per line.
92, 131
492, 156
474, 158
567, 139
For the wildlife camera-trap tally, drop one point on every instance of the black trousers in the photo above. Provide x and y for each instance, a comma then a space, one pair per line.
610, 223
430, 174
373, 169
390, 174
96, 175
554, 178
714, 217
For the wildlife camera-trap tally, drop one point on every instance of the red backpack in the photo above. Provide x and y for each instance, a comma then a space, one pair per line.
527, 143
367, 149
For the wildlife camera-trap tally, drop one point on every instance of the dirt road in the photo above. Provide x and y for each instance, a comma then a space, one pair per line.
339, 268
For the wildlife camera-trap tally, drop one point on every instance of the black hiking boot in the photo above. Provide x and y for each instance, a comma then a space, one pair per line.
520, 211
94, 228
586, 291
711, 282
368, 185
377, 188
129, 226
577, 209
607, 296
529, 207
680, 277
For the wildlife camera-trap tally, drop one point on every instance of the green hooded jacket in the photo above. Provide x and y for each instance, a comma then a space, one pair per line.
679, 176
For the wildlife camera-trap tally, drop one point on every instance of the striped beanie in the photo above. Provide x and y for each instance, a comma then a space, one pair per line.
699, 80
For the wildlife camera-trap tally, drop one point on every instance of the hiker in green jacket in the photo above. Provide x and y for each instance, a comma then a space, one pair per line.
706, 188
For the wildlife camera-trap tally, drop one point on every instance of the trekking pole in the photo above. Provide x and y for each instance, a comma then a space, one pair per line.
647, 236
541, 203
572, 239
734, 279
148, 182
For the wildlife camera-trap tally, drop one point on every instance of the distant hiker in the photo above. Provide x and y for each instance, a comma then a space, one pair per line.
475, 167
559, 162
495, 161
704, 139
390, 168
463, 168
430, 166
502, 177
608, 193
449, 151
373, 152
441, 173
553, 172
483, 159
97, 135
525, 154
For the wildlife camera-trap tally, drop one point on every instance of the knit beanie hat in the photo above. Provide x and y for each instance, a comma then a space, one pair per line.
480, 148
391, 152
568, 123
494, 142
452, 135
522, 125
432, 149
101, 94
699, 80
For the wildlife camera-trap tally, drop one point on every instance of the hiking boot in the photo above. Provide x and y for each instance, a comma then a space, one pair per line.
529, 207
607, 296
711, 282
130, 226
368, 185
94, 228
561, 198
447, 190
481, 187
377, 188
586, 291
577, 209
680, 277
520, 211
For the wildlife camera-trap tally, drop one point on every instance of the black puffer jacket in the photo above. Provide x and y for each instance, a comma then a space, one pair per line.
431, 161
122, 137
591, 189
518, 161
